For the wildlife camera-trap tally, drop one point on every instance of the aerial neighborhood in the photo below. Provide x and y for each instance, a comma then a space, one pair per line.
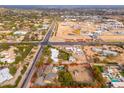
60, 48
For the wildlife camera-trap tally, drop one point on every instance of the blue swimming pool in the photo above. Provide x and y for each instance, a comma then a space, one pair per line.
114, 80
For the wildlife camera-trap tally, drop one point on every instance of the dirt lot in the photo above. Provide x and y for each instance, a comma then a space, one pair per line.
80, 73
66, 31
88, 51
111, 38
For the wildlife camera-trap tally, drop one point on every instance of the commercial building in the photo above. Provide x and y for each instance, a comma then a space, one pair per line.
5, 75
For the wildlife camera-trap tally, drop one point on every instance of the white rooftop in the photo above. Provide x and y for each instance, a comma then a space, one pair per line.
19, 32
118, 84
54, 54
5, 75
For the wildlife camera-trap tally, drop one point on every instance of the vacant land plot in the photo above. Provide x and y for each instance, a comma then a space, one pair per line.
80, 73
73, 31
112, 38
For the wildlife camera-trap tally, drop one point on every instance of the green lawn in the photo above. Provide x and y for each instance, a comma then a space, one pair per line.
122, 73
12, 70
100, 68
24, 69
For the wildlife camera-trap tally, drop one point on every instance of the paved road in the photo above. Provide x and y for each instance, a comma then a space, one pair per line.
38, 55
32, 69
65, 43
46, 39
85, 43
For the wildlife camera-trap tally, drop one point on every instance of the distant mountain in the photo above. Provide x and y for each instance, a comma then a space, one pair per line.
64, 6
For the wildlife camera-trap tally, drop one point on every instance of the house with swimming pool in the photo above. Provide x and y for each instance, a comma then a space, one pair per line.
112, 76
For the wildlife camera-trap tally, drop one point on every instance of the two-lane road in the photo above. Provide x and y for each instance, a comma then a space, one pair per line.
37, 57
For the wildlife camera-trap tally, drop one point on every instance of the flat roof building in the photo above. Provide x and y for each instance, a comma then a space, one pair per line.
5, 75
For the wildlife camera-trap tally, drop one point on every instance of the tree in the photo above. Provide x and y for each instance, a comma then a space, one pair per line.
49, 60
63, 55
96, 59
12, 69
43, 32
5, 46
40, 62
46, 51
65, 78
98, 76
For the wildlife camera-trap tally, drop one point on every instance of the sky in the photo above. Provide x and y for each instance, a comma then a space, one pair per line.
62, 6
61, 2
